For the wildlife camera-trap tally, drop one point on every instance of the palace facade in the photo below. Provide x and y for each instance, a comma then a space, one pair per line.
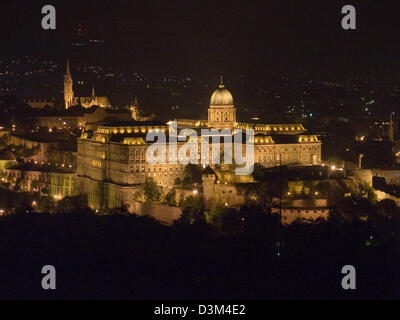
112, 166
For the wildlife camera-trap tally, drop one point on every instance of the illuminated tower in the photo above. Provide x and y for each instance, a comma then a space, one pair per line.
94, 99
208, 177
391, 129
134, 107
222, 112
68, 91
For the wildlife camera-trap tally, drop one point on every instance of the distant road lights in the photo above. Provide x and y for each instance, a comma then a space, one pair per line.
333, 167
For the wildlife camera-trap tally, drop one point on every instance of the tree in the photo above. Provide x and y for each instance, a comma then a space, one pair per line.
71, 204
151, 192
24, 205
231, 222
216, 213
35, 185
192, 210
45, 204
122, 210
255, 219
323, 187
17, 186
262, 193
369, 191
169, 198
177, 182
3, 141
192, 174
387, 207
187, 181
356, 207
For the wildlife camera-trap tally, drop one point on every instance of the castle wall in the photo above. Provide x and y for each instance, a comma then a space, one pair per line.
162, 213
390, 176
365, 176
289, 215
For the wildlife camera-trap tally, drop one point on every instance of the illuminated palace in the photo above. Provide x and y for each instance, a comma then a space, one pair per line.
111, 161
86, 102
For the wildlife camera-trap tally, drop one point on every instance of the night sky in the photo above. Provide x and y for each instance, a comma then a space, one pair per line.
215, 36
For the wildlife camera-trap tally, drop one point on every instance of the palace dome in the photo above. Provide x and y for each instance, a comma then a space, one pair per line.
221, 97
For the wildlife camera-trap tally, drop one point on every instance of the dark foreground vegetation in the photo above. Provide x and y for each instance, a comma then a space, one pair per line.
129, 257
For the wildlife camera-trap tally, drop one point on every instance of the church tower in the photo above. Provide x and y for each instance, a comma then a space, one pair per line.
94, 99
208, 177
222, 112
68, 90
134, 107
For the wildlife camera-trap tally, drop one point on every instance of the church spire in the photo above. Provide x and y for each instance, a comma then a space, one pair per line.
93, 93
68, 88
221, 85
